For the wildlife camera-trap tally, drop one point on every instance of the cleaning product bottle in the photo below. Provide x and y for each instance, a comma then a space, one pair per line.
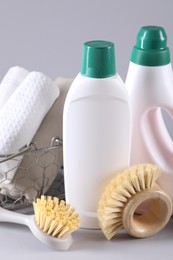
149, 83
96, 130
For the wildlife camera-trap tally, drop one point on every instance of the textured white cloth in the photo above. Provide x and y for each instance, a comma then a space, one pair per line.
12, 79
22, 115
31, 182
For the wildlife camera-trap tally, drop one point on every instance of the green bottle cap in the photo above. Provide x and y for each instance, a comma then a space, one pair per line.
151, 47
98, 60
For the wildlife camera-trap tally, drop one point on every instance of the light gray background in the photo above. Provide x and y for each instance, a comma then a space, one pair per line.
47, 36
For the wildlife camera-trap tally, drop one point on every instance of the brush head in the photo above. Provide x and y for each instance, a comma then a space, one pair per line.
55, 217
120, 191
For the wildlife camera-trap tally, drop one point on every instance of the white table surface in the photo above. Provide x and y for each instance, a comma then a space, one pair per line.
17, 242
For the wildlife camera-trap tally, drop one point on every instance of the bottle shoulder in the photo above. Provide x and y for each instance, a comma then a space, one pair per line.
150, 86
87, 87
146, 73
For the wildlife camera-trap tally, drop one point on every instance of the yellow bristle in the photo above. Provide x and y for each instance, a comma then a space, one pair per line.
141, 178
54, 224
47, 223
72, 225
72, 229
119, 197
120, 190
110, 231
55, 217
123, 190
57, 230
70, 212
63, 231
116, 203
135, 182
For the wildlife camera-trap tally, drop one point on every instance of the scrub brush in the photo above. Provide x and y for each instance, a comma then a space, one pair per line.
52, 224
125, 194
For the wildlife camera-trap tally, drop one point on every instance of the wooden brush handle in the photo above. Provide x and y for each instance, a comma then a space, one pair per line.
153, 219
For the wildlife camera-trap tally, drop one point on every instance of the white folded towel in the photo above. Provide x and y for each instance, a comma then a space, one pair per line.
51, 126
12, 79
22, 115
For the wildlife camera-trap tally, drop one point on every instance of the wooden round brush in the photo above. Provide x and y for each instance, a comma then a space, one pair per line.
125, 194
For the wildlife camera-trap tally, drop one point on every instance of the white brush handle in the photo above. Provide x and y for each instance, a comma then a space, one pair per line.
18, 218
13, 217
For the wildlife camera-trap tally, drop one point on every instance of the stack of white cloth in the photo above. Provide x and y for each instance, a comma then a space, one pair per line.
22, 113
50, 126
12, 79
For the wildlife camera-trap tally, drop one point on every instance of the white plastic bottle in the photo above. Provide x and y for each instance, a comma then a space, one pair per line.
96, 130
149, 83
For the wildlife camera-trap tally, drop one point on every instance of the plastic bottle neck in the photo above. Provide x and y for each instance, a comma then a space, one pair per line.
150, 58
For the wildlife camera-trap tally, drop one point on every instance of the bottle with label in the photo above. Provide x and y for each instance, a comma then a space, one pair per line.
149, 83
96, 130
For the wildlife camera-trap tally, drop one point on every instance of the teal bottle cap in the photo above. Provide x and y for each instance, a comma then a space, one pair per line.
98, 60
151, 47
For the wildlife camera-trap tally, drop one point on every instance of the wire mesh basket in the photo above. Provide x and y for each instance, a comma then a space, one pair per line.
38, 171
